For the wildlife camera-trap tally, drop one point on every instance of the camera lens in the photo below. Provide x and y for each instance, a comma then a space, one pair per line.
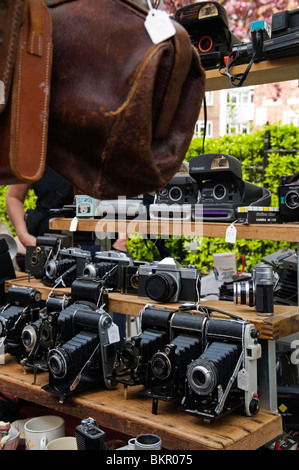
292, 200
161, 287
57, 363
244, 293
161, 365
202, 376
175, 194
219, 191
129, 355
46, 334
29, 337
51, 269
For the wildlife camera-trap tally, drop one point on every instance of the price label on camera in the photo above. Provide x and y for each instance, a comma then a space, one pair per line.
243, 380
113, 334
73, 224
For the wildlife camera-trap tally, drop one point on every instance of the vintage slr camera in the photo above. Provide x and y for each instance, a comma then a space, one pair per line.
169, 281
207, 25
23, 306
258, 291
224, 377
288, 194
132, 359
166, 373
87, 357
221, 189
174, 201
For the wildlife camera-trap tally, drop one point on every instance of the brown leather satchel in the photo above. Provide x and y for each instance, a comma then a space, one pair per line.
123, 109
25, 72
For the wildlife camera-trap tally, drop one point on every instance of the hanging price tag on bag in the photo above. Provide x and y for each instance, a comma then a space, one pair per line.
158, 25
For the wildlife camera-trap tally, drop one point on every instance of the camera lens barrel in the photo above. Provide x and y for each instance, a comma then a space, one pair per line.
264, 289
161, 287
244, 293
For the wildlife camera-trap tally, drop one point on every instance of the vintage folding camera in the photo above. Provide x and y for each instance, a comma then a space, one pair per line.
109, 266
288, 194
257, 291
208, 28
87, 357
166, 374
169, 281
174, 201
132, 359
67, 266
224, 377
222, 189
23, 306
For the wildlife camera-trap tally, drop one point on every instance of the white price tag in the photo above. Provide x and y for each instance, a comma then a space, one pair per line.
113, 334
243, 380
231, 234
159, 26
73, 224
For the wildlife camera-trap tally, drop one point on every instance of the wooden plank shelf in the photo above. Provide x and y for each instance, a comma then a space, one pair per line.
267, 71
288, 232
131, 414
284, 322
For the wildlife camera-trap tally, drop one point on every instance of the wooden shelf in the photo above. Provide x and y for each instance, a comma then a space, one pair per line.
276, 232
131, 414
284, 322
268, 71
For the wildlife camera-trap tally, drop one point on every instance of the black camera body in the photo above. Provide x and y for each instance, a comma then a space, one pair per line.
112, 268
258, 291
284, 40
221, 189
169, 281
207, 25
87, 357
166, 375
22, 307
175, 200
37, 256
224, 377
132, 359
288, 194
66, 267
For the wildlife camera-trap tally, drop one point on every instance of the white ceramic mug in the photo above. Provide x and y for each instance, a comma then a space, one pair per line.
148, 442
63, 443
41, 430
225, 266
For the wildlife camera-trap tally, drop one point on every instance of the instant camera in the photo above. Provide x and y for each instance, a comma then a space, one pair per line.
221, 189
288, 193
175, 200
207, 25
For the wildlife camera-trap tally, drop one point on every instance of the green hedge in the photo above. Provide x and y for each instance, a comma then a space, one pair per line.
249, 149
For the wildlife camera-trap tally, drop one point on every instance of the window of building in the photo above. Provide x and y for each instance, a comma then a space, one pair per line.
200, 127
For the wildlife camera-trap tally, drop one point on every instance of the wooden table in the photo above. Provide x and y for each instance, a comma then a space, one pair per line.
131, 414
